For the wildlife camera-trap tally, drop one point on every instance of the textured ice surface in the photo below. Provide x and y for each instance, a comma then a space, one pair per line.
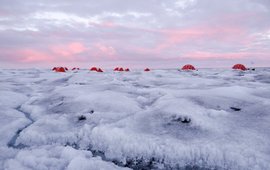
157, 120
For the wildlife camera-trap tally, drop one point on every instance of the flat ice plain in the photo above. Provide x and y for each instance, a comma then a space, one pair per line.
163, 119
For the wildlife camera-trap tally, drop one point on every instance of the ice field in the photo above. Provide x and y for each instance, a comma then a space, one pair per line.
163, 119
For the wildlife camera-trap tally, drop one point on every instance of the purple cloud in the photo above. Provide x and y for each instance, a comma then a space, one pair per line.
135, 33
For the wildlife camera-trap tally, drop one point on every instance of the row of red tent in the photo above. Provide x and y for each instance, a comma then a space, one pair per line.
96, 69
120, 69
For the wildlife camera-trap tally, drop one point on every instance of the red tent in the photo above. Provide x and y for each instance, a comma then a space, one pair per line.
99, 70
239, 67
188, 67
94, 69
127, 69
116, 69
121, 69
54, 68
75, 68
60, 69
147, 69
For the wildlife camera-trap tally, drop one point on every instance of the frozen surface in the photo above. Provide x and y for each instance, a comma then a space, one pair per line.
206, 119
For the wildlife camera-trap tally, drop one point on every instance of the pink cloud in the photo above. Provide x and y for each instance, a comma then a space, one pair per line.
56, 53
190, 42
34, 56
223, 28
175, 39
63, 53
68, 51
28, 55
204, 55
222, 33
76, 47
3, 12
100, 51
106, 50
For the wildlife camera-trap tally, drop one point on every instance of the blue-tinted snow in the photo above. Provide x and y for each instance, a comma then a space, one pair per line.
134, 116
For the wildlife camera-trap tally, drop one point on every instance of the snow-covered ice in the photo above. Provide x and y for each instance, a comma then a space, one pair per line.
163, 119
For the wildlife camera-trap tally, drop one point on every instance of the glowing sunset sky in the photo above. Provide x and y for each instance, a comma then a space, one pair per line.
134, 33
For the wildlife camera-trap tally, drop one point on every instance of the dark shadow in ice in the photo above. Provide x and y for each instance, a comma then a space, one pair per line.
40, 81
180, 119
263, 78
181, 127
12, 142
61, 80
235, 109
138, 163
217, 103
81, 118
138, 85
141, 163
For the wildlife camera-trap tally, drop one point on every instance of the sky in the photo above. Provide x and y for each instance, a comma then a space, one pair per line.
134, 33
